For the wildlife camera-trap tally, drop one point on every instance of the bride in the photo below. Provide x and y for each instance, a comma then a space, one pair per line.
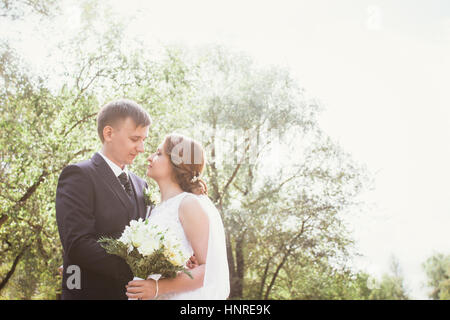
176, 167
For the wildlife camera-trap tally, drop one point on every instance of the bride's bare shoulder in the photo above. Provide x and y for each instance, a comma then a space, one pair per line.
190, 207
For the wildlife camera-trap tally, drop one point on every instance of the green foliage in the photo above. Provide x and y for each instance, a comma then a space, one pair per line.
391, 286
274, 208
16, 9
43, 128
437, 268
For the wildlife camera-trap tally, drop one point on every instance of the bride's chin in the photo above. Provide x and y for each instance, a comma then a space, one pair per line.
150, 175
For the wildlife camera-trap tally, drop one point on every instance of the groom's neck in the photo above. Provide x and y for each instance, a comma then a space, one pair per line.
111, 157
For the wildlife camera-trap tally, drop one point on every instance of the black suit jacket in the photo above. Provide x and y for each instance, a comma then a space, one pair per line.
90, 203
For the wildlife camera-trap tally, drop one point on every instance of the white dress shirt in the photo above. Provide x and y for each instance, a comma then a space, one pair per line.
114, 167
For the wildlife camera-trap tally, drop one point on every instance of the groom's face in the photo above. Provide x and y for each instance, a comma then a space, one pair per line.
125, 141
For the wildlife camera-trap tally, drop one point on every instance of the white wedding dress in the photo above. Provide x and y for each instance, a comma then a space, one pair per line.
216, 279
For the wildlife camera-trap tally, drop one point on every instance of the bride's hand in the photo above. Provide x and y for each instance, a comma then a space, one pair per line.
141, 289
192, 262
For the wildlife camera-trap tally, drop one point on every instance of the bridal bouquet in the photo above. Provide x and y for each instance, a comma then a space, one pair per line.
151, 251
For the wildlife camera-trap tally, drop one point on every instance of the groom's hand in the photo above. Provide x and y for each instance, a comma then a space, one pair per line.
60, 270
192, 263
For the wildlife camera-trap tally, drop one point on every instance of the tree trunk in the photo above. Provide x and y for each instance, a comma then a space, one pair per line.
3, 219
275, 275
13, 268
230, 262
283, 261
240, 264
264, 278
237, 279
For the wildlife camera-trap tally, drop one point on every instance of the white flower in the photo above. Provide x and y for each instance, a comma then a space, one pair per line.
173, 250
125, 238
134, 235
148, 247
138, 238
150, 198
134, 224
149, 238
177, 257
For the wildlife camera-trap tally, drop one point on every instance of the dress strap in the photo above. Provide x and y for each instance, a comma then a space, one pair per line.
180, 198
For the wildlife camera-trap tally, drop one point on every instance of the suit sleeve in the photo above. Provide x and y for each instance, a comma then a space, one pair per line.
76, 224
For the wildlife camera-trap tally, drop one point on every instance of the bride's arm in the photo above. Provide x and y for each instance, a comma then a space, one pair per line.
195, 224
196, 227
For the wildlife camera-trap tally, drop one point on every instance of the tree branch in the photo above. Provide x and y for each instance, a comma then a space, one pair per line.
278, 188
235, 171
32, 189
264, 277
79, 122
283, 261
13, 267
3, 219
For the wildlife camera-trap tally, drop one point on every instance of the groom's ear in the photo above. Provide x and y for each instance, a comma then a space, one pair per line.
107, 133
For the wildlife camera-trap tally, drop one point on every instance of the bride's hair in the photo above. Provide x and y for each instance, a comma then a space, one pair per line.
187, 158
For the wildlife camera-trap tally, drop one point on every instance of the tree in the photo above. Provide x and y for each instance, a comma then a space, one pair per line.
309, 278
16, 9
44, 128
437, 269
245, 112
391, 286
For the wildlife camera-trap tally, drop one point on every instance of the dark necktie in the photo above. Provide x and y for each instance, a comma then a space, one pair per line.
123, 177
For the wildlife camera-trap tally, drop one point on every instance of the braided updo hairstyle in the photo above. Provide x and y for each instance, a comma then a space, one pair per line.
187, 158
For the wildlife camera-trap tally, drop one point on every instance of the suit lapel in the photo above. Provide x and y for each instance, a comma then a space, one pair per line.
111, 180
139, 195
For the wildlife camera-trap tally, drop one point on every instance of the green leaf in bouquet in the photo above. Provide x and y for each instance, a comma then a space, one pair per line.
113, 246
188, 273
143, 266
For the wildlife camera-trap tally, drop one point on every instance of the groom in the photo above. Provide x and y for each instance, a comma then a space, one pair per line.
98, 197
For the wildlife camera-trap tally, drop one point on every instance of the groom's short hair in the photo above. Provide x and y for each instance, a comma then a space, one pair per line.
121, 109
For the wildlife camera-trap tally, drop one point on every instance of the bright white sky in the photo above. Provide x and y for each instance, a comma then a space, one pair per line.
382, 71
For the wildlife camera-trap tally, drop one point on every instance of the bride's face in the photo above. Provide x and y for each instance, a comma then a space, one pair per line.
159, 166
